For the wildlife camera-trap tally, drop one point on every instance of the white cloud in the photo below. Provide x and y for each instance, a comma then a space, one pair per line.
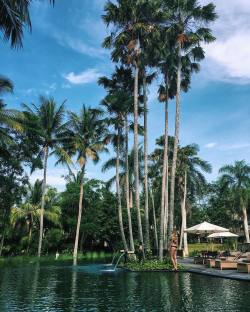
54, 177
228, 58
79, 46
227, 147
87, 76
235, 146
210, 145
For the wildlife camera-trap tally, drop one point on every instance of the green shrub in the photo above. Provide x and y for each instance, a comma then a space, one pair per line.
150, 265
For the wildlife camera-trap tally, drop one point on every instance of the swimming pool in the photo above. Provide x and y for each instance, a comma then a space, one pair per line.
62, 287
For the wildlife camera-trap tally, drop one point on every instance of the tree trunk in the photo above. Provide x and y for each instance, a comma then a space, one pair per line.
3, 232
118, 191
145, 102
81, 242
30, 233
79, 218
136, 164
154, 220
176, 142
131, 238
166, 212
46, 153
246, 224
1, 244
164, 205
131, 200
183, 240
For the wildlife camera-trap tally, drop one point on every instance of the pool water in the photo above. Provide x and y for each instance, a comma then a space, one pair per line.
95, 287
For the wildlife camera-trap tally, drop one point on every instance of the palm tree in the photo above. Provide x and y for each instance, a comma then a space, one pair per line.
49, 126
146, 80
117, 106
86, 137
188, 26
122, 81
30, 210
160, 157
190, 178
133, 21
14, 16
237, 178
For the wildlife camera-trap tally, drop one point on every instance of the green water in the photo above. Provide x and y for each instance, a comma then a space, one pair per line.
88, 288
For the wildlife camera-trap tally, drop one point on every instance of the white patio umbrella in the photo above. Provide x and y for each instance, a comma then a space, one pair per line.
206, 228
222, 234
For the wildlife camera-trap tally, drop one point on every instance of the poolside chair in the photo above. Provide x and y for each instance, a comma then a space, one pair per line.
243, 266
211, 261
204, 256
230, 262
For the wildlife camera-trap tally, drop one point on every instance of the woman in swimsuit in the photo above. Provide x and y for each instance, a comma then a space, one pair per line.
173, 250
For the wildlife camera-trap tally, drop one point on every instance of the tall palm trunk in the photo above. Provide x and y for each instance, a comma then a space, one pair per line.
176, 142
79, 217
154, 220
2, 243
46, 153
244, 210
183, 239
164, 193
145, 103
166, 197
3, 232
166, 211
131, 238
30, 233
136, 162
118, 191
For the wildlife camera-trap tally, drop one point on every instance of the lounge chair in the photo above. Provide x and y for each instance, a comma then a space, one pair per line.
243, 266
211, 261
228, 263
200, 259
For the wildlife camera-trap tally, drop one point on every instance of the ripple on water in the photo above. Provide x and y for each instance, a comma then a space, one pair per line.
93, 288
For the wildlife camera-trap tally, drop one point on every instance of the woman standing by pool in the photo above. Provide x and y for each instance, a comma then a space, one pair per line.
173, 249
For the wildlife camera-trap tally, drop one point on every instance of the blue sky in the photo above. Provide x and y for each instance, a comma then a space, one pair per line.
63, 58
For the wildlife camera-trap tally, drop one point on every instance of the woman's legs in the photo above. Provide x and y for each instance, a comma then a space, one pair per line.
175, 259
172, 251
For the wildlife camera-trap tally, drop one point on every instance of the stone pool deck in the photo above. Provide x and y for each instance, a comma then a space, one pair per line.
189, 266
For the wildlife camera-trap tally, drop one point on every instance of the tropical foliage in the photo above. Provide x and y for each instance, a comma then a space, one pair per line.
154, 190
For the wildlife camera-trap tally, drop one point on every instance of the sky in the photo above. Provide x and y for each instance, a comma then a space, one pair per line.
63, 58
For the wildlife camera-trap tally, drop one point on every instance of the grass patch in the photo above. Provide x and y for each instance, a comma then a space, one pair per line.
87, 256
195, 249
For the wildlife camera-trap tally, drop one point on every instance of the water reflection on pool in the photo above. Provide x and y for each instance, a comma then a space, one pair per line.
94, 287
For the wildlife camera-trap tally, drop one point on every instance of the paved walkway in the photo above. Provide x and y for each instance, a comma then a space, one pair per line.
189, 266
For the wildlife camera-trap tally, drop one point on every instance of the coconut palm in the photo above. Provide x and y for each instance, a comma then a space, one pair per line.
86, 138
14, 16
190, 176
49, 126
188, 26
30, 210
237, 178
8, 117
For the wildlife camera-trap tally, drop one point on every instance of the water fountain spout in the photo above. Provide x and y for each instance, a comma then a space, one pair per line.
119, 259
